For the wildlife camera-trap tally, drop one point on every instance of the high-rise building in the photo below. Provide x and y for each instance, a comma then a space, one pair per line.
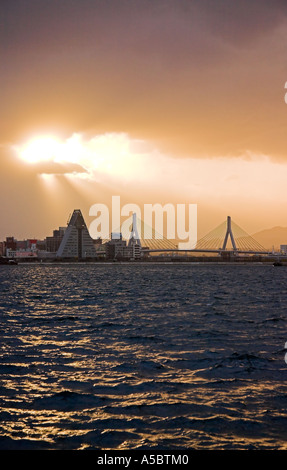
76, 242
53, 243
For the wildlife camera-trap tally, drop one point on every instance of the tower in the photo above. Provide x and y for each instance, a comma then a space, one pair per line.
134, 236
77, 242
229, 232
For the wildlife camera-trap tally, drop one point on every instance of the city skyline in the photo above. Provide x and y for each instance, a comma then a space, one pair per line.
131, 227
159, 102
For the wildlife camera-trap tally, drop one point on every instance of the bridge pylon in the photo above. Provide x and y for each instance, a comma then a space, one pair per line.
134, 235
229, 234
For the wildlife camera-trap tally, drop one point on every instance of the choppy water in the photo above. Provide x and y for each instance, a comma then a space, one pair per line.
128, 356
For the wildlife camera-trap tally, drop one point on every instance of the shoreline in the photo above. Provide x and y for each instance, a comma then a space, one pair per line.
146, 263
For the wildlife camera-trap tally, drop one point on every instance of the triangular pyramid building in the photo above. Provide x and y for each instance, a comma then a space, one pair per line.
77, 242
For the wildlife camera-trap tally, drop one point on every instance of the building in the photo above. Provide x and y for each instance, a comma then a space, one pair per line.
117, 248
2, 248
53, 243
100, 248
283, 249
77, 242
41, 245
10, 245
74, 242
21, 248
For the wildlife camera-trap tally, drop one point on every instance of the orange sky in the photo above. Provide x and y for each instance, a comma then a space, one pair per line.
155, 101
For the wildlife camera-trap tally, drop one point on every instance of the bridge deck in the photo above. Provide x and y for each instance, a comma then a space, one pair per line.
208, 251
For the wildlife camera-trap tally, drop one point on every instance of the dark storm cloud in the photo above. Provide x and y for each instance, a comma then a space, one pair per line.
165, 70
25, 20
243, 21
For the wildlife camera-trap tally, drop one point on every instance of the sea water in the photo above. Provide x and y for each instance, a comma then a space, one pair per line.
143, 356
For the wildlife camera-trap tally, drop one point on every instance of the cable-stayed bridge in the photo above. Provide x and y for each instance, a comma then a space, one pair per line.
229, 237
136, 230
226, 239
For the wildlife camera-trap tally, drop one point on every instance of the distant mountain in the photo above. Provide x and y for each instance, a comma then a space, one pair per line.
272, 237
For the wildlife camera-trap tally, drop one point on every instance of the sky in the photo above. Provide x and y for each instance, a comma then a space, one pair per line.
155, 101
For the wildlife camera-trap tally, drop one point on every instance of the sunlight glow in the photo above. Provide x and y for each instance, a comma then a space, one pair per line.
103, 154
40, 149
117, 160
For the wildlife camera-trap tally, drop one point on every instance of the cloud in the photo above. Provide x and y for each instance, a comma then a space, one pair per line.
57, 168
119, 161
251, 187
197, 78
243, 22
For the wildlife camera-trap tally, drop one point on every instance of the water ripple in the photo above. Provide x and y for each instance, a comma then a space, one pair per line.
129, 356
